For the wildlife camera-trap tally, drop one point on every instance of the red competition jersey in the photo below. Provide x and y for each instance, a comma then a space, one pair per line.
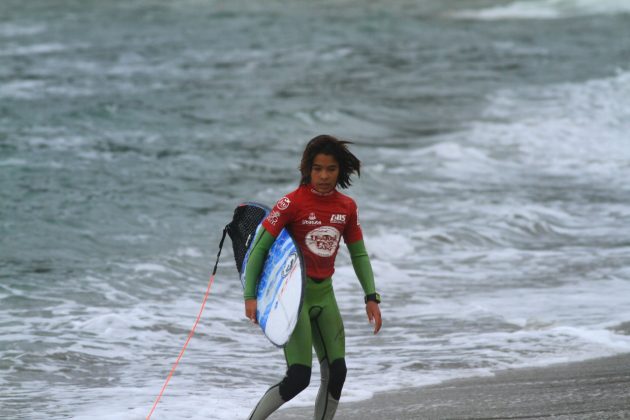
317, 222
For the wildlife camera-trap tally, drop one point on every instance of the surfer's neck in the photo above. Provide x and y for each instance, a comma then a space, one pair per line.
322, 194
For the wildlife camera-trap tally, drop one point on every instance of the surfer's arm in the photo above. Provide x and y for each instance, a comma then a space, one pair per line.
363, 270
262, 244
362, 266
360, 260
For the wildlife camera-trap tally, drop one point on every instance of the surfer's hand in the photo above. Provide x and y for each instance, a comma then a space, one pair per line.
374, 315
250, 310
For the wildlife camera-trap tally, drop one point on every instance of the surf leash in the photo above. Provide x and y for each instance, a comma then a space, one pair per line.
192, 331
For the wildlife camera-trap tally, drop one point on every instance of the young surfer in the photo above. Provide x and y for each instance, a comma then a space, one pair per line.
318, 216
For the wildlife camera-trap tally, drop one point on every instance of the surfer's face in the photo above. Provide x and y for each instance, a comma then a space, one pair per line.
324, 173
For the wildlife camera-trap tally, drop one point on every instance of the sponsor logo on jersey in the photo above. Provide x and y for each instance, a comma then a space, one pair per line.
283, 203
338, 218
323, 241
358, 223
312, 220
273, 217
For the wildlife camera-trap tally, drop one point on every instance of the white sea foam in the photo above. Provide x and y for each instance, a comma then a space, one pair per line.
189, 252
221, 374
21, 89
35, 89
390, 246
13, 162
55, 141
522, 49
12, 30
546, 9
35, 49
151, 267
579, 303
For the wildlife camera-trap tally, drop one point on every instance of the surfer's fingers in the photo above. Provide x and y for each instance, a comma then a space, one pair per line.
378, 323
374, 316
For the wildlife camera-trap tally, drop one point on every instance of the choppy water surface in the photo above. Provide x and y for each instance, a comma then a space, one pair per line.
494, 194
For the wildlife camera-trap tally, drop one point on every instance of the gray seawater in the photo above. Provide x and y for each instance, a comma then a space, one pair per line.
494, 194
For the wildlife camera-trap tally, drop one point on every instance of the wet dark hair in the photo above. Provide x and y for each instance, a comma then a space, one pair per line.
332, 146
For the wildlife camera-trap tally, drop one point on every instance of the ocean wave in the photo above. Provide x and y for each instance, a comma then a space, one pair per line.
546, 9
562, 130
526, 137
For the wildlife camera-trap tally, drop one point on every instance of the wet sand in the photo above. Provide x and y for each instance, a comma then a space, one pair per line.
594, 389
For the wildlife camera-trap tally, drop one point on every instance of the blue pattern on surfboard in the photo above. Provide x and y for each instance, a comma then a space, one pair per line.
271, 280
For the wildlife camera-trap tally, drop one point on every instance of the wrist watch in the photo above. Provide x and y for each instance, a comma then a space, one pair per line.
374, 297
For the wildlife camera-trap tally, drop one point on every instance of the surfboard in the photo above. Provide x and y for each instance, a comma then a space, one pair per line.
282, 280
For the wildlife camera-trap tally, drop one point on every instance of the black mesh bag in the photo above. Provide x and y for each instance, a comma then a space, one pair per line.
242, 228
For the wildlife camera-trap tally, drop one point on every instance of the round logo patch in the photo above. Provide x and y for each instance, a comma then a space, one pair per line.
323, 241
283, 203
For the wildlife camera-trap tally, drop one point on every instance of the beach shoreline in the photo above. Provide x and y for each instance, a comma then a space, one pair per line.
591, 389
